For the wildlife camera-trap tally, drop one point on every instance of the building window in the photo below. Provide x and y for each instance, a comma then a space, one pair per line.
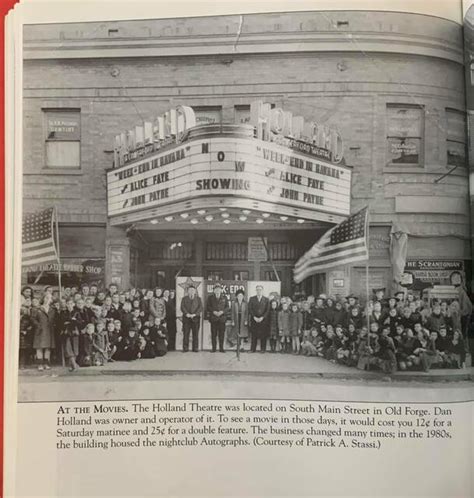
62, 138
218, 251
208, 114
404, 135
214, 275
269, 276
242, 114
456, 137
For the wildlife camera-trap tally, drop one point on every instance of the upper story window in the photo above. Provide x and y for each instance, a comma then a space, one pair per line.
208, 114
456, 138
62, 138
405, 128
242, 114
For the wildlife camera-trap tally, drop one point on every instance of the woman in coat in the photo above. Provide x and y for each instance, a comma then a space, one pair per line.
239, 317
44, 318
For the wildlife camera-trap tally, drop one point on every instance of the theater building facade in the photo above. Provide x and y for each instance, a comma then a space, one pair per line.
225, 147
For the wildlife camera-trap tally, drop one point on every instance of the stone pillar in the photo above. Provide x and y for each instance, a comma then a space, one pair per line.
117, 257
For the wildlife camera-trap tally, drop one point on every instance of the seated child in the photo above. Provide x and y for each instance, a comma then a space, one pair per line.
128, 348
147, 344
160, 337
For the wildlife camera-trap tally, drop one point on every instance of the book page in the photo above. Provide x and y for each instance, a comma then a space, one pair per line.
241, 249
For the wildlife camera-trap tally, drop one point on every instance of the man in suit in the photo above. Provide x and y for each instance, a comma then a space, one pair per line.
217, 310
259, 307
191, 307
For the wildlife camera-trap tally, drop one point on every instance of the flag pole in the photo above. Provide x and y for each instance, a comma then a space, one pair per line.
63, 360
57, 252
367, 278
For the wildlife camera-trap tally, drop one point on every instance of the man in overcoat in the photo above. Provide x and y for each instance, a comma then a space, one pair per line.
191, 307
259, 307
217, 310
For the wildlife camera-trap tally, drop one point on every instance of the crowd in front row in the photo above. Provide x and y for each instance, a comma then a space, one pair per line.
88, 326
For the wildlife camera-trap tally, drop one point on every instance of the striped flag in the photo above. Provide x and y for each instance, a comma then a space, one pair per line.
342, 244
38, 238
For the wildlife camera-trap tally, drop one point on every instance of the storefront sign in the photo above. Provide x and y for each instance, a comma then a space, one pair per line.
73, 272
422, 273
256, 249
63, 125
230, 167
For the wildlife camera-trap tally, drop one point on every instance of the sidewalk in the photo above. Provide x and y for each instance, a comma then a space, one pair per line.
264, 365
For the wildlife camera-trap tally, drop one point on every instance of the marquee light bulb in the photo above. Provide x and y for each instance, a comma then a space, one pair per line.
168, 218
153, 222
246, 211
226, 222
184, 215
283, 218
266, 215
299, 220
225, 215
259, 220
194, 221
209, 217
222, 209
201, 211
242, 218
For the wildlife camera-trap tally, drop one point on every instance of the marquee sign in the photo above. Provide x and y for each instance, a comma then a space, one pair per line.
226, 166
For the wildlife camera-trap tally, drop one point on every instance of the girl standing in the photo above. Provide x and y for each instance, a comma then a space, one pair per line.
43, 319
273, 320
295, 324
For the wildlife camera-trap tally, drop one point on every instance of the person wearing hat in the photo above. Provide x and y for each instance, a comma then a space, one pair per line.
380, 297
352, 301
217, 308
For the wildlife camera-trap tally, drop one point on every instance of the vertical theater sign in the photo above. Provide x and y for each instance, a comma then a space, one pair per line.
278, 163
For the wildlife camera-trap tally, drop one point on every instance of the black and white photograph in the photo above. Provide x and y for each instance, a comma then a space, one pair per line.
254, 198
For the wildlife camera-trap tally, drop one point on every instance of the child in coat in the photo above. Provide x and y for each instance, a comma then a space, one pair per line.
158, 332
128, 348
273, 321
295, 324
284, 327
101, 345
147, 344
85, 355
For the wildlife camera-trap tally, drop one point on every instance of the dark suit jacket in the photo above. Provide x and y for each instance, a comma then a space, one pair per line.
192, 306
214, 304
258, 309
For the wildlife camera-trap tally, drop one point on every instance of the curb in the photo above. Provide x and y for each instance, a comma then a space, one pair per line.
399, 377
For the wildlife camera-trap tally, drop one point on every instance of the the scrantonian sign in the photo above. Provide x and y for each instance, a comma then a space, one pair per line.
226, 161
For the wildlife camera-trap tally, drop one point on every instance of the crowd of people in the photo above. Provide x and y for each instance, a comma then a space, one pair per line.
88, 326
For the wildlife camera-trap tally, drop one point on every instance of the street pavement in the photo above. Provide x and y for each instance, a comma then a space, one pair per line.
207, 374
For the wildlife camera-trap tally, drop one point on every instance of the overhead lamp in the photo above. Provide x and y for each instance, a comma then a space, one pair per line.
259, 220
209, 217
266, 215
184, 215
246, 211
222, 209
299, 220
168, 218
194, 221
225, 215
201, 211
242, 218
153, 222
226, 222
283, 218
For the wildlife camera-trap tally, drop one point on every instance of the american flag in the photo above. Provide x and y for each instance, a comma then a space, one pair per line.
38, 238
342, 244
